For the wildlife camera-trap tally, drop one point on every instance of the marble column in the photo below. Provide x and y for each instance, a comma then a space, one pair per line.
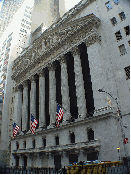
33, 96
98, 78
65, 89
79, 83
42, 117
25, 107
18, 106
52, 94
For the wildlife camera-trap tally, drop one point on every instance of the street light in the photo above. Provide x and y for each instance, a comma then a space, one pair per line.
119, 115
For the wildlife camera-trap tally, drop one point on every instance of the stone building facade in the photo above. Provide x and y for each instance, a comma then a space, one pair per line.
79, 54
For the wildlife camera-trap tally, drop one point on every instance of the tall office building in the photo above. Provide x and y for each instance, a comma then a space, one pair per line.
9, 8
12, 43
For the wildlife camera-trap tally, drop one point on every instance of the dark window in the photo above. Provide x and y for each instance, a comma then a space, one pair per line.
127, 71
44, 142
33, 144
57, 140
72, 137
108, 5
122, 16
127, 30
92, 156
113, 21
73, 158
90, 135
17, 160
116, 1
122, 49
17, 145
118, 35
24, 144
129, 42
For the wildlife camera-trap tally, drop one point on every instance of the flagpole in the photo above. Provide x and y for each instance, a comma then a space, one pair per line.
60, 105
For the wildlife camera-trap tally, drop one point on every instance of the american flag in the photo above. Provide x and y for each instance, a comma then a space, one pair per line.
59, 115
15, 129
34, 123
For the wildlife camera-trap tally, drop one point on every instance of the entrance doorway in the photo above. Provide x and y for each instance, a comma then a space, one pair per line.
25, 162
73, 158
57, 162
92, 156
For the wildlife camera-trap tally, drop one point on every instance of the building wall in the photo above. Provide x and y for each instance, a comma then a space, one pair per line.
107, 72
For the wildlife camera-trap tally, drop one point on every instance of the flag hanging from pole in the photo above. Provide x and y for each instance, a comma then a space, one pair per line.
15, 129
126, 140
34, 123
59, 115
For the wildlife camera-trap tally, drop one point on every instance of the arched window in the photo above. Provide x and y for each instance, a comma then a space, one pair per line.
90, 134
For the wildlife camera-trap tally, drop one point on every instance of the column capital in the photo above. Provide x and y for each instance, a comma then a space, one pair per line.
25, 83
63, 59
51, 66
18, 88
33, 78
75, 51
41, 72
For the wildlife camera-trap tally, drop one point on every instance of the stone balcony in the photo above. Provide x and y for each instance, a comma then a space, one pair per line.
68, 148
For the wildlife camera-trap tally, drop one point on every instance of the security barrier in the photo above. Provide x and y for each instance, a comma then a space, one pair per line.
100, 168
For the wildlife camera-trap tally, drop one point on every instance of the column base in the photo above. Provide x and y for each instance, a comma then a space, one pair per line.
50, 126
28, 132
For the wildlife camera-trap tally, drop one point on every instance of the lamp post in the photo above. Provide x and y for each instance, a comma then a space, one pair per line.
119, 117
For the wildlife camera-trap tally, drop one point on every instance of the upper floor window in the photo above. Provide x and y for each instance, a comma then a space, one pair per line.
113, 21
116, 1
24, 144
17, 145
33, 144
127, 30
44, 142
118, 35
122, 49
90, 134
122, 16
108, 5
127, 71
72, 137
57, 140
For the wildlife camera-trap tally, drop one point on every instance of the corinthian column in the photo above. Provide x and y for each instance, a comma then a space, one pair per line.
65, 89
52, 94
25, 107
18, 106
80, 91
33, 96
42, 118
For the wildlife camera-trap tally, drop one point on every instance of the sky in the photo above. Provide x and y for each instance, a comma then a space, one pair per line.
0, 4
70, 3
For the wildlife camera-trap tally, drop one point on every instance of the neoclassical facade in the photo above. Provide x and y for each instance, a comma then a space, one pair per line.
65, 65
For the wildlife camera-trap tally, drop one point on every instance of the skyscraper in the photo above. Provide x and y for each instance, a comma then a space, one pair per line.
9, 8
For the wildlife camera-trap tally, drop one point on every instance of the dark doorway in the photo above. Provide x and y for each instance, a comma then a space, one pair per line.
73, 158
25, 162
92, 156
57, 162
